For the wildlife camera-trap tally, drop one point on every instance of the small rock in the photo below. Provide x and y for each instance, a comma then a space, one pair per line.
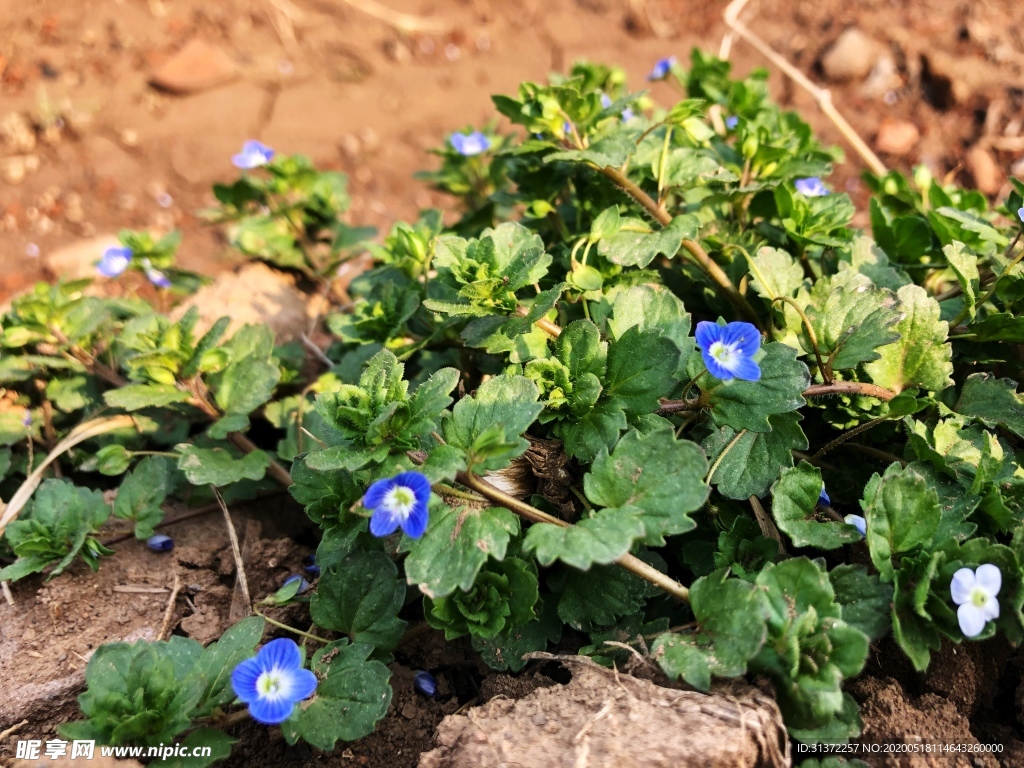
851, 57
988, 176
17, 134
896, 137
78, 259
198, 66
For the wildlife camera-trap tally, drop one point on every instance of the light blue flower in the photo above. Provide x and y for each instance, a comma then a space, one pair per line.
857, 522
155, 276
823, 498
626, 114
975, 592
731, 122
469, 144
811, 187
661, 68
399, 501
273, 682
728, 350
253, 155
115, 261
1020, 214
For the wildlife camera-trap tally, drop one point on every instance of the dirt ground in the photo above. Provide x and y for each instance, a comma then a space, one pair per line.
88, 145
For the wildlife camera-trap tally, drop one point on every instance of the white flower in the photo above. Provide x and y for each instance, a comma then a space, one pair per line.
975, 592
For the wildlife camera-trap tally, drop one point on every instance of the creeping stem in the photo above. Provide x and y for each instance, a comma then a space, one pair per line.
817, 390
706, 263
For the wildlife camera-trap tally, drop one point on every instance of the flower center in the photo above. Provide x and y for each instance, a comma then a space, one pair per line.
400, 500
979, 598
722, 353
269, 683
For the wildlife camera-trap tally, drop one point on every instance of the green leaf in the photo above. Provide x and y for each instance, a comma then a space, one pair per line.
361, 596
611, 151
504, 595
325, 495
602, 538
992, 401
921, 358
775, 273
71, 394
660, 476
113, 459
640, 370
455, 547
219, 659
752, 461
505, 650
353, 695
865, 599
731, 629
141, 494
852, 323
635, 244
246, 385
749, 404
487, 426
656, 309
598, 597
134, 397
902, 513
215, 466
964, 263
216, 741
794, 502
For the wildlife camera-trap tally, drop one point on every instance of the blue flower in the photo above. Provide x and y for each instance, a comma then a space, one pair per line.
731, 122
857, 522
156, 277
160, 543
975, 592
424, 683
273, 682
253, 155
606, 101
627, 115
303, 584
26, 420
469, 144
823, 498
662, 68
728, 350
399, 501
1020, 214
811, 187
115, 261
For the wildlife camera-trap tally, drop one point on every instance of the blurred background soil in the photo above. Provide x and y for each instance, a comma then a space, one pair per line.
121, 113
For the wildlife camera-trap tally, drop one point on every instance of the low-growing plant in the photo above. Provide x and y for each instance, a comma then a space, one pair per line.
618, 403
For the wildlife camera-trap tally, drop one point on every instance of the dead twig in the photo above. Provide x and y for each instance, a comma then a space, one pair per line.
236, 551
403, 22
13, 729
821, 95
169, 612
6, 587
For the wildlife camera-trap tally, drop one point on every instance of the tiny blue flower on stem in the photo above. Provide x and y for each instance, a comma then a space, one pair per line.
469, 144
857, 522
823, 498
155, 276
303, 584
253, 155
731, 122
160, 543
975, 592
273, 682
811, 187
424, 683
115, 261
661, 68
26, 420
1020, 214
399, 501
626, 114
728, 350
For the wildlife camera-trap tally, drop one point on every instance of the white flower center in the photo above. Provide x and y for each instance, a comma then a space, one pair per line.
725, 355
979, 597
269, 684
399, 501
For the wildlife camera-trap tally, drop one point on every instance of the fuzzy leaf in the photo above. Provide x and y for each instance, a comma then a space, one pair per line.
902, 514
141, 494
794, 501
865, 599
656, 309
852, 324
748, 404
636, 244
134, 397
602, 538
753, 460
775, 273
215, 466
964, 263
992, 401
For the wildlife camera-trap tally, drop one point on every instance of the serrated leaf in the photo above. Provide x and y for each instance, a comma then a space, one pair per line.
219, 659
730, 631
640, 370
964, 263
753, 460
456, 545
794, 501
635, 244
852, 324
141, 494
921, 357
992, 401
661, 476
134, 397
195, 745
505, 650
247, 384
775, 273
611, 151
749, 404
902, 514
656, 309
215, 466
598, 597
602, 538
865, 599
325, 495
361, 596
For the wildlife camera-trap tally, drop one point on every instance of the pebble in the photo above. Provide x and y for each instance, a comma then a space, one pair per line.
896, 137
851, 57
988, 176
198, 66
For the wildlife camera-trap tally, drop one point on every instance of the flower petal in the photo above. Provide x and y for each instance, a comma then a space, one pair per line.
271, 711
991, 609
989, 578
384, 523
243, 679
303, 685
417, 482
715, 368
416, 524
375, 494
746, 369
857, 522
281, 654
823, 498
971, 618
707, 333
961, 586
743, 337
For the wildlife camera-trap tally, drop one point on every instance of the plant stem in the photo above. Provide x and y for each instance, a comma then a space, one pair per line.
826, 372
545, 325
293, 630
816, 390
847, 435
962, 314
715, 272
